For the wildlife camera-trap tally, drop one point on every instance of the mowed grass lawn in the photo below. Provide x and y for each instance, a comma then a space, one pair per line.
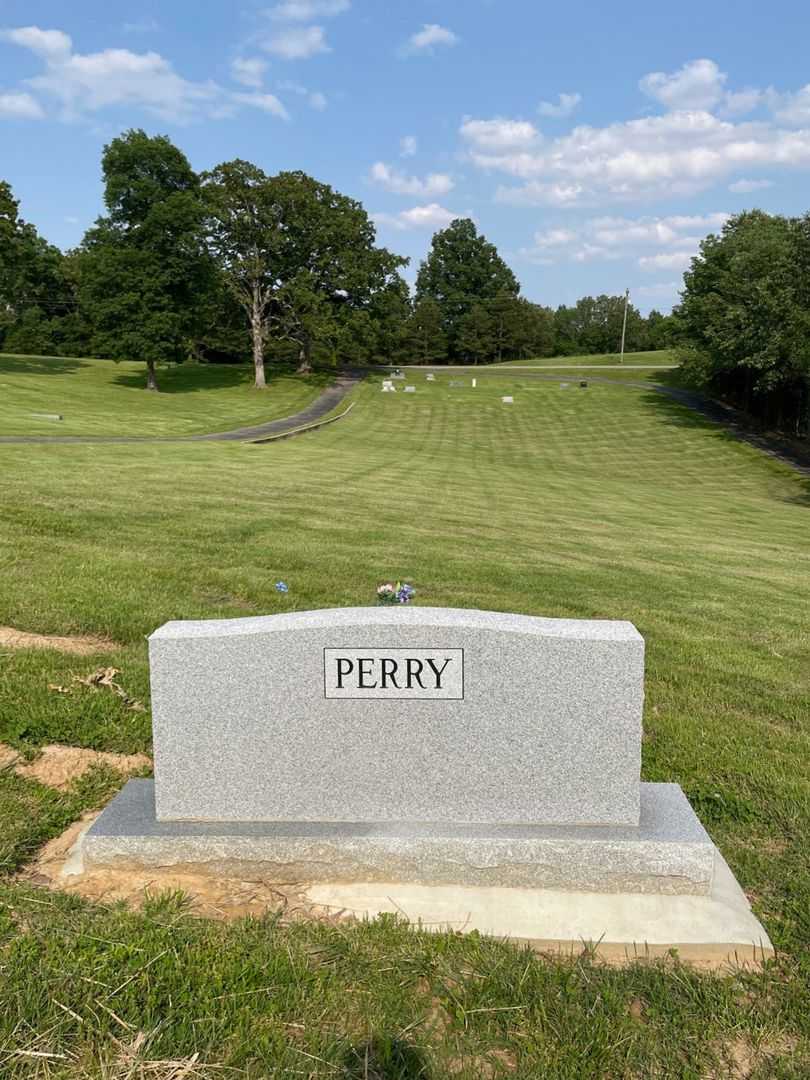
610, 502
105, 397
662, 358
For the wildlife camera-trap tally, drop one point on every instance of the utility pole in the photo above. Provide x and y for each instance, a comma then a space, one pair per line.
624, 324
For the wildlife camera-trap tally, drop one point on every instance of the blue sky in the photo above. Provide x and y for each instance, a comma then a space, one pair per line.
594, 143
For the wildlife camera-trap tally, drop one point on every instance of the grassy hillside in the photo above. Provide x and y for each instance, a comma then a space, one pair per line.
102, 397
610, 502
661, 358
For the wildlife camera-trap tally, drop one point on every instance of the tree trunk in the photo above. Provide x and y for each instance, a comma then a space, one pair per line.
257, 330
305, 357
151, 381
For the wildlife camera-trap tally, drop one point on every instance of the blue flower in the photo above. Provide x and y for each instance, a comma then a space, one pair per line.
282, 586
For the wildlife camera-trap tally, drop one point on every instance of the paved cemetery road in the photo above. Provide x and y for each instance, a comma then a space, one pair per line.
328, 400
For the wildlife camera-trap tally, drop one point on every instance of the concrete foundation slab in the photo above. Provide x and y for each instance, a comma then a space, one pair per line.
670, 853
716, 929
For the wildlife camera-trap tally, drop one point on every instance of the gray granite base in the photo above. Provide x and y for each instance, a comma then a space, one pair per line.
669, 853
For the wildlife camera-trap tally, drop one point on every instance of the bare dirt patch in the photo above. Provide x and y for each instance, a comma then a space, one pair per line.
7, 756
742, 1059
208, 896
78, 645
59, 766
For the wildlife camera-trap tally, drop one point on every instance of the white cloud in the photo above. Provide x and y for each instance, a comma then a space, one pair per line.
408, 146
737, 102
92, 81
431, 216
677, 154
400, 184
85, 83
699, 84
306, 10
20, 104
792, 109
492, 136
266, 102
744, 187
607, 238
46, 43
147, 25
297, 43
554, 238
662, 290
675, 260
315, 99
249, 71
590, 252
536, 193
566, 104
667, 231
429, 37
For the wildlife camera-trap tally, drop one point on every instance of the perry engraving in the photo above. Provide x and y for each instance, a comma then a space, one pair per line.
394, 673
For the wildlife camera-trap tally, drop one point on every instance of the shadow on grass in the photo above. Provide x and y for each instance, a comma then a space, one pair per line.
187, 378
39, 365
385, 1057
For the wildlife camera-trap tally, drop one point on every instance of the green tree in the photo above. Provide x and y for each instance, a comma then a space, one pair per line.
537, 331
660, 331
476, 334
461, 269
425, 333
244, 232
143, 267
745, 315
37, 293
328, 265
594, 325
389, 311
299, 257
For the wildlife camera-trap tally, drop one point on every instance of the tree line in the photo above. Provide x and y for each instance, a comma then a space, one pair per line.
744, 320
234, 265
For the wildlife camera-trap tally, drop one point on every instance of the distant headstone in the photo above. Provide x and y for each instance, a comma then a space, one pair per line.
475, 382
430, 378
564, 385
410, 389
508, 400
583, 385
46, 416
389, 389
456, 382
